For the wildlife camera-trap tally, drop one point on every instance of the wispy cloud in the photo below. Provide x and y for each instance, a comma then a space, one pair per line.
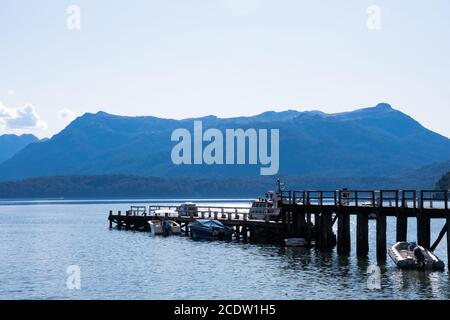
24, 117
66, 115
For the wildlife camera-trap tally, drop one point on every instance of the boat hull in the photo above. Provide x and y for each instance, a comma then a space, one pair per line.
200, 231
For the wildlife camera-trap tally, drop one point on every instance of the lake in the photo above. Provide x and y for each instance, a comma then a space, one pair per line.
39, 240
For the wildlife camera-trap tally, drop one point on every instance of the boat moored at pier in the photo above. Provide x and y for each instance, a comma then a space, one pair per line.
408, 255
164, 227
210, 229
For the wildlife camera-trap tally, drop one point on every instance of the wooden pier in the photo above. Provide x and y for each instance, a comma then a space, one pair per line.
312, 215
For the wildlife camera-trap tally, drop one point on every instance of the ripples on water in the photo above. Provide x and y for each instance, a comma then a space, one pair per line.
38, 242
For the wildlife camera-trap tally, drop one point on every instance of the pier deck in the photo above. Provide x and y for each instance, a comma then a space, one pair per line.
312, 215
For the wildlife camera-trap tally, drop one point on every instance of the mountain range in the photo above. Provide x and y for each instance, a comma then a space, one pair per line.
10, 144
377, 141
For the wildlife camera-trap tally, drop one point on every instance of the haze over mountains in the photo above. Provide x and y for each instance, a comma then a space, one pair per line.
369, 142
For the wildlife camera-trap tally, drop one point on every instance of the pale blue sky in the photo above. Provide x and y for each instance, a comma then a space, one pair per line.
189, 58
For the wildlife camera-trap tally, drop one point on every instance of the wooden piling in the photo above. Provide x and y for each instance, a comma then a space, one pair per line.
119, 223
381, 231
244, 233
447, 213
402, 226
381, 237
110, 219
326, 229
343, 236
362, 234
423, 225
343, 241
318, 230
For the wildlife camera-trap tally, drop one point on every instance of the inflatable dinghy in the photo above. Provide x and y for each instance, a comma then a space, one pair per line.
411, 256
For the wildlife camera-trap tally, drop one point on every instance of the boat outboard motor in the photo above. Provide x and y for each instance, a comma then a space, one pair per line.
412, 246
419, 257
166, 227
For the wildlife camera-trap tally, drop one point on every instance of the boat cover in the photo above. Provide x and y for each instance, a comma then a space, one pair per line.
210, 224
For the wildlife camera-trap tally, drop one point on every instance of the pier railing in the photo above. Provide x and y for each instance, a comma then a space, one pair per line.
424, 199
203, 212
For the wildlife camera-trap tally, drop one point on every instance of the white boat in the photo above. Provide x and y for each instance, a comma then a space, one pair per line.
175, 227
408, 255
187, 209
164, 227
265, 209
155, 227
295, 242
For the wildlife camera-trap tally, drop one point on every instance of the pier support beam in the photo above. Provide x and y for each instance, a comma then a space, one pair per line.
448, 240
327, 231
343, 241
381, 237
362, 234
423, 230
244, 234
119, 222
402, 226
318, 230
447, 214
238, 233
300, 221
110, 220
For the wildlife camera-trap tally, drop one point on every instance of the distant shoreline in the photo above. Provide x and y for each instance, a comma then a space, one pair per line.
117, 187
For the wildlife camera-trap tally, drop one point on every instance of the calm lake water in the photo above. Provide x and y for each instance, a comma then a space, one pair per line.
39, 240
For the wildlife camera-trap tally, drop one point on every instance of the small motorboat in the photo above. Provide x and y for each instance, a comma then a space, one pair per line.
210, 229
295, 242
164, 227
408, 255
156, 228
174, 227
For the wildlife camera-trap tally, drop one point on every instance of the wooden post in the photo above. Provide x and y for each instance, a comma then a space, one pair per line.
343, 241
318, 229
381, 232
119, 221
110, 220
448, 228
238, 232
327, 232
362, 234
301, 222
381, 237
423, 225
402, 220
344, 245
244, 233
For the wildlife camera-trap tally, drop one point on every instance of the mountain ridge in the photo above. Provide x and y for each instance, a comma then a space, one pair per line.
370, 141
10, 144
